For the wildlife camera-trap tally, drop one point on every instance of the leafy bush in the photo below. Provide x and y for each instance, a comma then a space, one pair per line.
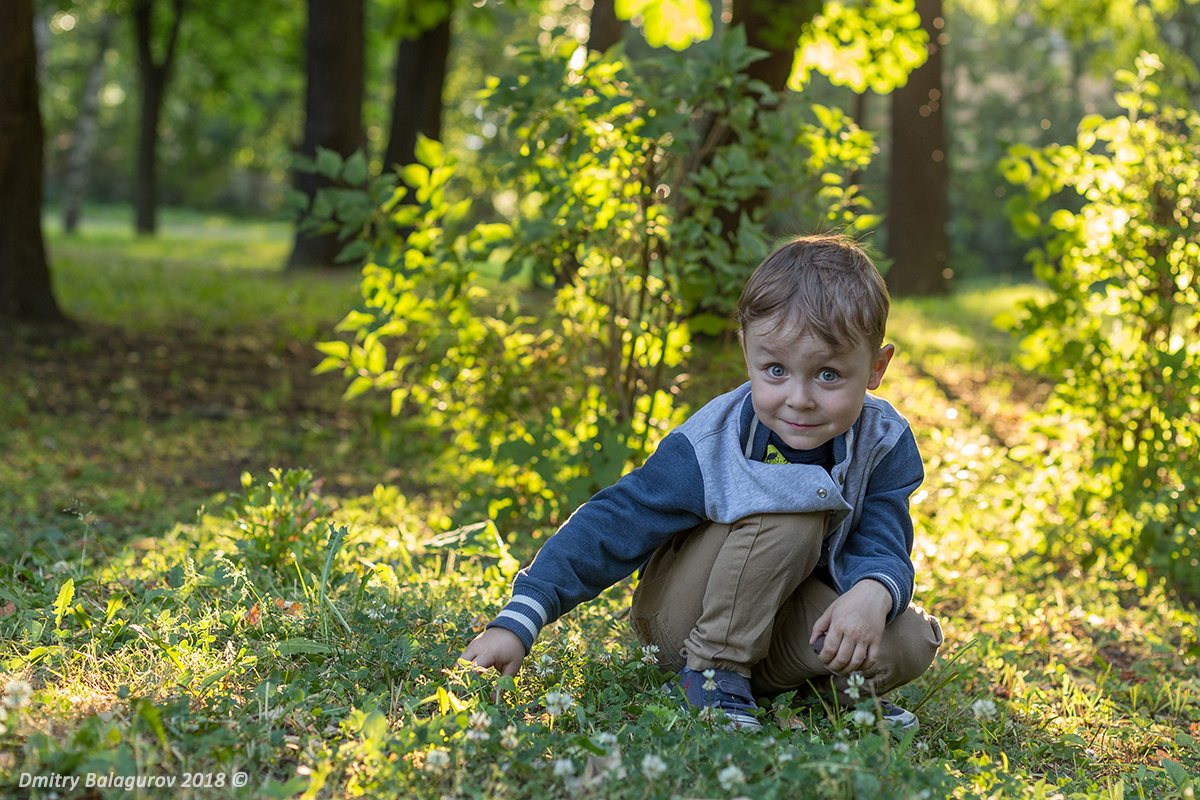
616, 192
278, 521
1121, 331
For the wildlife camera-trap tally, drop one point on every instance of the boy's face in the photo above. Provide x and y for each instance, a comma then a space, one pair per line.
804, 390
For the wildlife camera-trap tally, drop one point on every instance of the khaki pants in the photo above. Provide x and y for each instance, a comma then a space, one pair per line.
741, 597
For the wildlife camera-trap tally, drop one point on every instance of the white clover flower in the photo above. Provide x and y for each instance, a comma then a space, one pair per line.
984, 709
863, 718
557, 702
374, 612
437, 761
508, 738
785, 756
709, 684
607, 740
653, 767
545, 665
563, 768
841, 747
17, 694
650, 654
730, 777
854, 685
922, 747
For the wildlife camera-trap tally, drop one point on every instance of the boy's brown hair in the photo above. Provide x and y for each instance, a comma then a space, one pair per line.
823, 284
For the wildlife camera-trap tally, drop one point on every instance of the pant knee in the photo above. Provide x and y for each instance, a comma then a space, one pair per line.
909, 648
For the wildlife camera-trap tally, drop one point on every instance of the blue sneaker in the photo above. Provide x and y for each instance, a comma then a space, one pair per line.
900, 719
728, 691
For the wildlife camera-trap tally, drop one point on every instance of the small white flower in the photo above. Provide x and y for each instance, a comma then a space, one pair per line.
557, 702
984, 709
785, 756
730, 777
508, 738
841, 747
374, 612
437, 761
607, 740
17, 694
545, 665
922, 747
653, 767
854, 685
563, 768
650, 654
709, 684
863, 718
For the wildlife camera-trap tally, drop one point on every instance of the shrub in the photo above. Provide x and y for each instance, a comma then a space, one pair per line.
1121, 330
615, 190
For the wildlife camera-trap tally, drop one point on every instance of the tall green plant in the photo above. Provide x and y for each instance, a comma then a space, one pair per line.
546, 394
1121, 330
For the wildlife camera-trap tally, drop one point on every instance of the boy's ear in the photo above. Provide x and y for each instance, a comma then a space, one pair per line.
880, 365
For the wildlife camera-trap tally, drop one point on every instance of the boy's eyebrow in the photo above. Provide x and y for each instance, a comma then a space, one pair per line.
768, 346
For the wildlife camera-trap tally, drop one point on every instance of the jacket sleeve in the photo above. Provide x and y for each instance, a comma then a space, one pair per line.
881, 547
607, 538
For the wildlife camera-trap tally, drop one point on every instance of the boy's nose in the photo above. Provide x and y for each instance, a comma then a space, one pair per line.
799, 396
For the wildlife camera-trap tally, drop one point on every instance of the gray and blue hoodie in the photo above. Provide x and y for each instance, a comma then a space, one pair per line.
711, 468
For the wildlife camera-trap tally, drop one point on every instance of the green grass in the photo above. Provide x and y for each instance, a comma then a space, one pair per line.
149, 598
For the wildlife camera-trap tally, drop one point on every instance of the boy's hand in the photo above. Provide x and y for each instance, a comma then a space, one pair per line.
852, 627
498, 648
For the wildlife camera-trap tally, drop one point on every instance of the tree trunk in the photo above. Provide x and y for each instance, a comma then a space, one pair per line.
75, 179
774, 26
153, 75
333, 107
918, 207
606, 29
25, 289
417, 104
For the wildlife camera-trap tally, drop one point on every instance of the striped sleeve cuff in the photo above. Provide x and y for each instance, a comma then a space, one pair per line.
889, 583
524, 616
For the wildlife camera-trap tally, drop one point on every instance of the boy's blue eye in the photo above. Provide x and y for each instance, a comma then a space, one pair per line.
827, 375
776, 371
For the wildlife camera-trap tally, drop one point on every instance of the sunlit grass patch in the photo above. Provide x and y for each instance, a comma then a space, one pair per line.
326, 666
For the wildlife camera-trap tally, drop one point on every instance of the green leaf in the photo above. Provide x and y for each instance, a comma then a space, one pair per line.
357, 250
1176, 772
355, 170
678, 24
66, 595
358, 386
415, 175
429, 152
336, 349
291, 647
329, 163
376, 358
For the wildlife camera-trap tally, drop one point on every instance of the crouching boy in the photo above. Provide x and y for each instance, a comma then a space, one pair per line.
772, 527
